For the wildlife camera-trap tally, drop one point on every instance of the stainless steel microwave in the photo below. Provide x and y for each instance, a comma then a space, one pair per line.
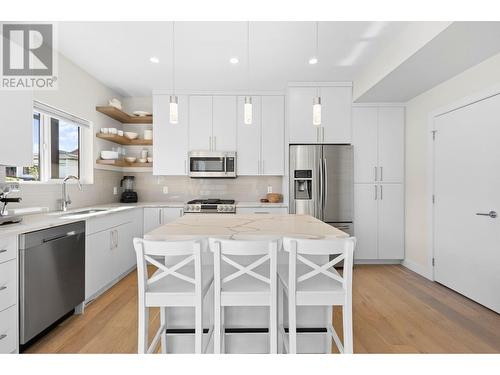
210, 164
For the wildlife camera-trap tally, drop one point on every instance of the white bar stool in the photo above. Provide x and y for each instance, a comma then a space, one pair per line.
310, 284
169, 287
245, 286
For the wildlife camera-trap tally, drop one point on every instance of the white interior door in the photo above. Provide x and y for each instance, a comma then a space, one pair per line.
467, 182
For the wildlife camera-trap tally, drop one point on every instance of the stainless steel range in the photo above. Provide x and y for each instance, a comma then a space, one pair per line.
210, 206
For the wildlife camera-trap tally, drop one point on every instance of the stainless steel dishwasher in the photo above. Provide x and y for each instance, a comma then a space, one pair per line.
51, 276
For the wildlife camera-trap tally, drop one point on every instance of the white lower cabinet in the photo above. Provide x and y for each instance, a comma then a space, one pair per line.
8, 330
262, 210
109, 249
379, 221
156, 216
8, 295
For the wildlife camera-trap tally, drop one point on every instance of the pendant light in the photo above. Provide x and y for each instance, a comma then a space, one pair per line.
247, 107
316, 108
174, 100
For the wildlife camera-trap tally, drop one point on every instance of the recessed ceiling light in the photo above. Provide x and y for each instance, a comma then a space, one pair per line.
234, 60
154, 59
313, 60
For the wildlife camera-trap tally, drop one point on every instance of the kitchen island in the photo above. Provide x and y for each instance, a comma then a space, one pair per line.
245, 325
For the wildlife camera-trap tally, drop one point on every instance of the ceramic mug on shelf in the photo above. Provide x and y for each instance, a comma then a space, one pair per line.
144, 154
148, 134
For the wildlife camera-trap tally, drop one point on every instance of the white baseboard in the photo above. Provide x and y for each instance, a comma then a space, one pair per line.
418, 268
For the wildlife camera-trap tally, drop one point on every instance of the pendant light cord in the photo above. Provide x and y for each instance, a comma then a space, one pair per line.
248, 56
173, 57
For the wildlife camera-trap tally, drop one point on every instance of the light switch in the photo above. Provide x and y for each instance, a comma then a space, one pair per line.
269, 189
165, 190
115, 190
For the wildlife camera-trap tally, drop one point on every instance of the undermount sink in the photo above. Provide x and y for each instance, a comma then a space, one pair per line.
85, 212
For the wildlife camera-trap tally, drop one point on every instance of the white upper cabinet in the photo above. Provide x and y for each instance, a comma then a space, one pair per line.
300, 101
364, 139
336, 104
273, 135
170, 141
248, 150
16, 119
335, 125
391, 133
224, 123
378, 139
200, 123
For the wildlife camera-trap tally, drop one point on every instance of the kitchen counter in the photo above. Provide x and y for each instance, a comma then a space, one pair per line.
239, 226
45, 220
260, 204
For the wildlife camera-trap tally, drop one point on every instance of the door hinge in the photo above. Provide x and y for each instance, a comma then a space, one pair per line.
433, 262
434, 135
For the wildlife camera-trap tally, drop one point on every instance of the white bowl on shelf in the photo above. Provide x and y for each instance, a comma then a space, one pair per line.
142, 160
109, 155
131, 135
130, 159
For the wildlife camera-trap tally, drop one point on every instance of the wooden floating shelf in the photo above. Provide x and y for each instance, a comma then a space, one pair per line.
122, 163
123, 117
124, 140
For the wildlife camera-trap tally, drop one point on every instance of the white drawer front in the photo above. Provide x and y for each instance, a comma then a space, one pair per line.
8, 246
262, 210
7, 284
8, 330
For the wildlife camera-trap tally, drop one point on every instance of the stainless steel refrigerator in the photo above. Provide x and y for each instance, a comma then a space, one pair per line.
321, 183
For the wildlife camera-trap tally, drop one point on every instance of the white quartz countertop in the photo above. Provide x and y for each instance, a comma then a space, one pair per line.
244, 227
260, 204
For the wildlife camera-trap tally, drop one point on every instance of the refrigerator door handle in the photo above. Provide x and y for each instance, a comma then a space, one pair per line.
319, 204
325, 183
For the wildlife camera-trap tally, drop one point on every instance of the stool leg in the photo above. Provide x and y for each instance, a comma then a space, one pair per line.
143, 324
217, 324
329, 314
292, 324
273, 323
198, 335
223, 329
347, 325
280, 317
163, 322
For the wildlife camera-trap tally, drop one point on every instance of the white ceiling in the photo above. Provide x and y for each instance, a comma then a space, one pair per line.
117, 53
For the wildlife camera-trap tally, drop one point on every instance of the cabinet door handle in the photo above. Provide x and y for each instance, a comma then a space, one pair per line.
185, 166
322, 134
215, 143
210, 142
263, 167
376, 192
376, 173
317, 134
381, 192
258, 166
159, 216
381, 173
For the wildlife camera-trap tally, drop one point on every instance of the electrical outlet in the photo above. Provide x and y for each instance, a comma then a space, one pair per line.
269, 189
165, 190
115, 190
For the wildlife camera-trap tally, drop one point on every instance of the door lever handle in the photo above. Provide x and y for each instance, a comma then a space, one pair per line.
491, 214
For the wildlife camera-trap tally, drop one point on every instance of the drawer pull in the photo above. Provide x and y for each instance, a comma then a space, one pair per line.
2, 336
3, 287
3, 251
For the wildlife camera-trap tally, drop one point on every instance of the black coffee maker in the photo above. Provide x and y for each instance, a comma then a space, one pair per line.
128, 195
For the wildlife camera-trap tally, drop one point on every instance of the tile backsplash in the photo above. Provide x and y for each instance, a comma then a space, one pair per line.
181, 189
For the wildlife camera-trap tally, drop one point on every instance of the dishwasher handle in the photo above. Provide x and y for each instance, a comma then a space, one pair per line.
50, 239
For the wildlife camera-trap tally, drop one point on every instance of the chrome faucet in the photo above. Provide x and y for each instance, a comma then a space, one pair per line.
66, 200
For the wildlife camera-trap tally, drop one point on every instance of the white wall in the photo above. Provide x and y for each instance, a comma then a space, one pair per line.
418, 142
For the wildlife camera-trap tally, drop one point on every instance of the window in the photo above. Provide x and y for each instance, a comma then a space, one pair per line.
57, 147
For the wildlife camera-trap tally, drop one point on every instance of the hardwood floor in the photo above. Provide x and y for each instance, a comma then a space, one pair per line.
395, 311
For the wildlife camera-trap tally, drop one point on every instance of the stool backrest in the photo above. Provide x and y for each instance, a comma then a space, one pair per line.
224, 247
147, 252
341, 248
